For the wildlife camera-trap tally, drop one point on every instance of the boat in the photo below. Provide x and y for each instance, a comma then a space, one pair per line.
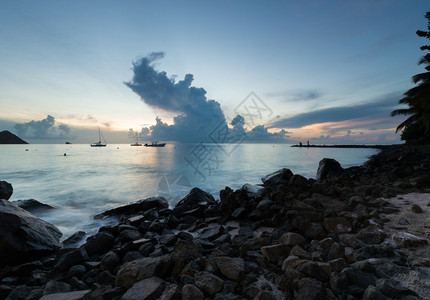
155, 144
137, 141
99, 143
68, 143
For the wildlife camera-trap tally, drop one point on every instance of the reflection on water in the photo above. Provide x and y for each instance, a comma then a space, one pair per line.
89, 180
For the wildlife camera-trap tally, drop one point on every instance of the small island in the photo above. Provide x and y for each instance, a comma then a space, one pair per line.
7, 137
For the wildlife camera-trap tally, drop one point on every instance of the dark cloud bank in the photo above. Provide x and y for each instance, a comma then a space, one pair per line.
43, 129
197, 116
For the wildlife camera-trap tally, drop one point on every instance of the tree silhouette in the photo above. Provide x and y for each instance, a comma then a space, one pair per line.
416, 128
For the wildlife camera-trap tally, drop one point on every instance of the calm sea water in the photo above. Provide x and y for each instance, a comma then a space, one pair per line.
89, 180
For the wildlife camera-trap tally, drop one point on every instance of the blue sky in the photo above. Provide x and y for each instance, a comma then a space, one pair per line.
329, 71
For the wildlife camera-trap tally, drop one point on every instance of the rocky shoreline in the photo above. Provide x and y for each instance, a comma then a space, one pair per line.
290, 238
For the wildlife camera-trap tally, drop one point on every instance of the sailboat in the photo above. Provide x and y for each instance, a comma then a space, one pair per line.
99, 143
137, 141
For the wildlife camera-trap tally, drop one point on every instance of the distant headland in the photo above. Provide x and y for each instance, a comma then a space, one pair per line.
7, 137
300, 145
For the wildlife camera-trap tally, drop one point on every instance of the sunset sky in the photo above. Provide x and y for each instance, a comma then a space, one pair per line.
324, 71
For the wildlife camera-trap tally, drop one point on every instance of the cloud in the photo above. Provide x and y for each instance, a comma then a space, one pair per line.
197, 116
42, 129
297, 95
377, 109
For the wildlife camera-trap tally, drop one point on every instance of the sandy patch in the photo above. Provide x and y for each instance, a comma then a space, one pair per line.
406, 220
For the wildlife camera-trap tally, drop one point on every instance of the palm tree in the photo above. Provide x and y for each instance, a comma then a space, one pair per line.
417, 126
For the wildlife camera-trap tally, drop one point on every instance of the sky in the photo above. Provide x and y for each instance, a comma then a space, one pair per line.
216, 71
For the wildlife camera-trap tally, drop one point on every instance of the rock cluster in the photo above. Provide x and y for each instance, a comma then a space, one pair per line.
292, 237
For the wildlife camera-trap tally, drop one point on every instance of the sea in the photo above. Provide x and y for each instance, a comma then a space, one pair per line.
81, 181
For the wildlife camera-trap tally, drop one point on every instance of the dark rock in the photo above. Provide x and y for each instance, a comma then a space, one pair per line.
328, 168
274, 253
191, 292
193, 203
372, 293
134, 271
231, 267
184, 252
309, 288
100, 243
71, 258
76, 295
24, 236
146, 289
291, 239
133, 208
371, 235
33, 205
53, 287
76, 271
408, 240
416, 209
6, 190
109, 262
393, 288
338, 225
282, 175
74, 240
6, 137
208, 283
171, 292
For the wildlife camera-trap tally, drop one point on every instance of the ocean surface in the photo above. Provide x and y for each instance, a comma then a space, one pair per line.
81, 181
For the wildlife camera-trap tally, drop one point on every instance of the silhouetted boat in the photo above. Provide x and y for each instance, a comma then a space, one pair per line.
99, 143
155, 144
68, 143
137, 142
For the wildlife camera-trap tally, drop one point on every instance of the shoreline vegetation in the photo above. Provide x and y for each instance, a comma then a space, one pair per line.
343, 146
349, 233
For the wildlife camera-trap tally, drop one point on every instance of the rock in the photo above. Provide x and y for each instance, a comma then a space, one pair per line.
133, 208
309, 288
372, 293
53, 287
416, 209
327, 168
408, 240
371, 235
100, 243
74, 240
32, 205
134, 271
209, 283
195, 199
76, 295
109, 262
6, 190
275, 252
146, 289
171, 292
23, 235
231, 267
291, 239
71, 258
282, 175
191, 292
338, 225
393, 288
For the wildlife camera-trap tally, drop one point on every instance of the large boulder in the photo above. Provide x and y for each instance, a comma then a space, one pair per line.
327, 168
277, 177
23, 235
193, 202
6, 190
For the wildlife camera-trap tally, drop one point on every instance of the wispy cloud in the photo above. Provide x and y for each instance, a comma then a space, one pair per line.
42, 129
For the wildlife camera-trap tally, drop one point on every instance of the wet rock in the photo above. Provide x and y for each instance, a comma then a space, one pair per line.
32, 205
291, 239
6, 190
74, 240
53, 287
146, 289
71, 258
372, 293
130, 209
109, 262
100, 243
193, 202
393, 288
338, 225
231, 267
277, 177
371, 235
24, 235
171, 292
